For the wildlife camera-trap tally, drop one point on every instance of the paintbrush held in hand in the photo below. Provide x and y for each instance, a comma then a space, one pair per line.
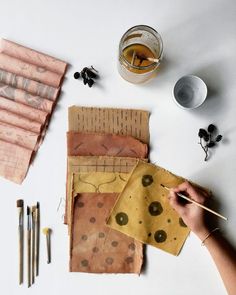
20, 206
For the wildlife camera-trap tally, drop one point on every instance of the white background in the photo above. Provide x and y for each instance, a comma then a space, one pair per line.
199, 38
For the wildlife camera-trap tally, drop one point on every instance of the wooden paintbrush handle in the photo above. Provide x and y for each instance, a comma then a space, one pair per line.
20, 234
29, 257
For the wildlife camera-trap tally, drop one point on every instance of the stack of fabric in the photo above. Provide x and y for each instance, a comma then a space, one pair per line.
103, 147
30, 83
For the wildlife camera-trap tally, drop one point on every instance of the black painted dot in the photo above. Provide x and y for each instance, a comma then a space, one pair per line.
101, 235
175, 239
122, 218
169, 220
129, 259
160, 236
132, 246
140, 222
84, 263
130, 197
114, 243
147, 180
95, 249
84, 237
149, 234
80, 204
181, 222
100, 204
155, 208
109, 260
92, 219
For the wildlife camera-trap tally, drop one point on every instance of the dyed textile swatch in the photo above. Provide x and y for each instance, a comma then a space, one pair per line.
143, 211
134, 123
94, 247
30, 82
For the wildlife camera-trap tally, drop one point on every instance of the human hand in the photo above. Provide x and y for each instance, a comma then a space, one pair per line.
192, 215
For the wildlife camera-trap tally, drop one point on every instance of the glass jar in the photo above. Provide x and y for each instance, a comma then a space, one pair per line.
140, 54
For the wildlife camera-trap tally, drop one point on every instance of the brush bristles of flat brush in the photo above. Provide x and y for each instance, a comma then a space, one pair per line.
19, 203
37, 205
28, 210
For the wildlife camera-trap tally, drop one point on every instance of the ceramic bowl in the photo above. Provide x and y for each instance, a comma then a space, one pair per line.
190, 92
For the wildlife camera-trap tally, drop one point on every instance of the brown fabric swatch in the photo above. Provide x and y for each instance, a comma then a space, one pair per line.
112, 121
85, 164
94, 144
95, 248
83, 144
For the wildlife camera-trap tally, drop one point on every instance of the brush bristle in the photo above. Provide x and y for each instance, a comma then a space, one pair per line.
28, 210
46, 230
37, 205
33, 208
19, 203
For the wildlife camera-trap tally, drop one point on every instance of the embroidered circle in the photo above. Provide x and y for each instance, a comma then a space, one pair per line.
84, 263
114, 243
160, 236
84, 237
132, 246
155, 208
122, 218
147, 180
109, 260
95, 249
80, 204
129, 259
101, 235
92, 219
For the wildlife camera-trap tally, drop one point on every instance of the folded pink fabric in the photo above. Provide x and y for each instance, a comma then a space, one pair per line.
29, 71
26, 111
14, 161
18, 136
32, 56
26, 98
30, 82
31, 86
19, 121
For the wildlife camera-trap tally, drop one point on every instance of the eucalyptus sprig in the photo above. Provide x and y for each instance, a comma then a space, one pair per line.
206, 139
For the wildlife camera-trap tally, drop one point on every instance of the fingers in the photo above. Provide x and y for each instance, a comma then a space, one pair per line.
173, 199
192, 192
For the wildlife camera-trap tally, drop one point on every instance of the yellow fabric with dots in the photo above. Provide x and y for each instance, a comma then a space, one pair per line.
143, 211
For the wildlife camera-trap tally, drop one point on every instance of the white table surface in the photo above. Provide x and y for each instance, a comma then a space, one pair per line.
199, 38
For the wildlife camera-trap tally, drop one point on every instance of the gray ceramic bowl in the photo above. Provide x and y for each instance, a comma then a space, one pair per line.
190, 92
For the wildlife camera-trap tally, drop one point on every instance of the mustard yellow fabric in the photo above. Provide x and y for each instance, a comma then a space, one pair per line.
99, 182
143, 211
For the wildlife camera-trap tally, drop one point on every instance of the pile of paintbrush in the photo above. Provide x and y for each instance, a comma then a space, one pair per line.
33, 230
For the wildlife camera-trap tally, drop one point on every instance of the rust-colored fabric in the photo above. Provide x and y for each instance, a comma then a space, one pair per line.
29, 86
26, 98
32, 87
94, 144
95, 248
14, 161
114, 121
